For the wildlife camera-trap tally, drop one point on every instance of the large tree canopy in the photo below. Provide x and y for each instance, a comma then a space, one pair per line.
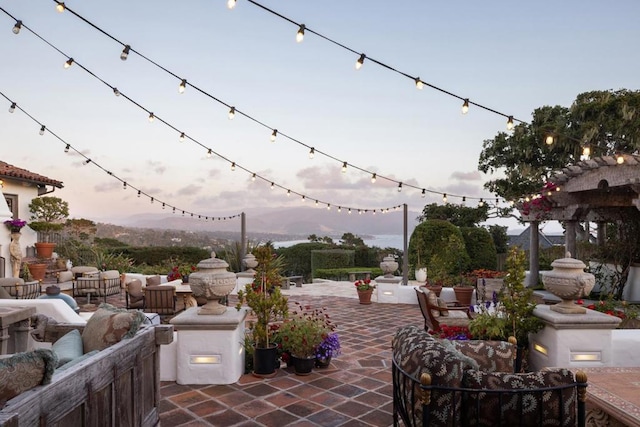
605, 122
458, 215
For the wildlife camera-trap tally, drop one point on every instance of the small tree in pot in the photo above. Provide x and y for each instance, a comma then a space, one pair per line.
47, 215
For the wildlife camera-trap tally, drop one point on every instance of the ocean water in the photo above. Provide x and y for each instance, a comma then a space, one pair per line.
381, 241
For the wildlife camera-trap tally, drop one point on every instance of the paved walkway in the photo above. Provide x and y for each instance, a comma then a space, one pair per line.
354, 391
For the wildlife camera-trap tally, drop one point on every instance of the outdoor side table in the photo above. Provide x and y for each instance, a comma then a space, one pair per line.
16, 318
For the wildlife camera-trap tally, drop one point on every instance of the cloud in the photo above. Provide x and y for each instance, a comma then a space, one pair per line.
189, 190
157, 167
107, 186
467, 176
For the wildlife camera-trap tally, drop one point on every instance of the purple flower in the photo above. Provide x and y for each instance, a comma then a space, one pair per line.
15, 225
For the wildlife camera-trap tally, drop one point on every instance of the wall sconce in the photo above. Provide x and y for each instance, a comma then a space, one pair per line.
213, 359
586, 356
540, 349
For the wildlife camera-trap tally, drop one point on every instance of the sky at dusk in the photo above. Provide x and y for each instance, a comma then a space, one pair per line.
510, 56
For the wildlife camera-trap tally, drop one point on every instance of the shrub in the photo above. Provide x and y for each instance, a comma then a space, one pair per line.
298, 258
480, 247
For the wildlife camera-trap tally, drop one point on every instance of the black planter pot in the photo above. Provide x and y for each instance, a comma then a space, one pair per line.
265, 361
303, 366
323, 363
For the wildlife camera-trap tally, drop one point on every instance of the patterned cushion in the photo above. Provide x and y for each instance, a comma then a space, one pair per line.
68, 347
23, 371
416, 351
529, 409
432, 299
108, 325
491, 356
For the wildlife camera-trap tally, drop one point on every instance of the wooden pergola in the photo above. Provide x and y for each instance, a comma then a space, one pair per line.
595, 190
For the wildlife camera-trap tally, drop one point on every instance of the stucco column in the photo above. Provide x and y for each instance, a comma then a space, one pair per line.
570, 237
602, 233
534, 256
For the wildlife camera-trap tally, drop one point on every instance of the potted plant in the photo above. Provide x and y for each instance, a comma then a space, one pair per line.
37, 269
328, 348
420, 270
463, 288
512, 313
48, 215
365, 288
181, 271
268, 305
301, 337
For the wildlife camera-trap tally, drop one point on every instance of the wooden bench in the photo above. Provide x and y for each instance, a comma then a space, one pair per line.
359, 275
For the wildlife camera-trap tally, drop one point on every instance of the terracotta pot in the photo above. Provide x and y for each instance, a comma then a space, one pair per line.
365, 296
463, 295
435, 289
37, 271
44, 249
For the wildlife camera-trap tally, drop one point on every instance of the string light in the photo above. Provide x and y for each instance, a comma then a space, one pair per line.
510, 123
339, 208
124, 185
303, 198
444, 198
344, 167
125, 52
619, 158
274, 134
273, 186
116, 92
17, 27
182, 86
300, 33
12, 108
152, 200
424, 193
464, 199
181, 137
360, 61
548, 140
68, 63
419, 83
316, 202
209, 153
465, 106
151, 117
312, 153
253, 177
288, 193
42, 128
399, 187
373, 178
66, 149
231, 3
586, 151
328, 207
86, 162
162, 205
139, 193
481, 203
233, 166
232, 113
349, 211
60, 7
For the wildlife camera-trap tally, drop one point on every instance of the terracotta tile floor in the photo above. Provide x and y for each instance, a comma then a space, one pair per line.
354, 391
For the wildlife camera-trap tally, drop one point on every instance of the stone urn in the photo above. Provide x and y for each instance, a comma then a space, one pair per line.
568, 281
250, 262
213, 282
388, 266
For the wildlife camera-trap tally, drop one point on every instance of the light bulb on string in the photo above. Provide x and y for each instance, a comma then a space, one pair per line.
66, 149
481, 203
312, 153
359, 212
231, 3
373, 178
152, 200
549, 139
273, 186
465, 106
12, 108
86, 162
344, 167
586, 151
304, 198
316, 202
162, 205
288, 193
399, 187
510, 123
209, 153
124, 185
253, 177
339, 208
464, 199
300, 33
360, 61
17, 27
174, 210
68, 63
328, 206
349, 211
42, 128
374, 211
619, 159
116, 92
232, 113
274, 134
419, 83
139, 193
151, 117
444, 198
125, 52
233, 166
182, 86
60, 7
424, 193
181, 138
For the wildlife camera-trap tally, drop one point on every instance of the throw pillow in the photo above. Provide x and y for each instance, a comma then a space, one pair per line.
68, 347
443, 307
432, 299
491, 356
77, 360
23, 371
108, 325
153, 280
4, 294
532, 408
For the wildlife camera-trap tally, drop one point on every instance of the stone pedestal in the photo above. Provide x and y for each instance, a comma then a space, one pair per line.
387, 289
209, 349
572, 340
243, 279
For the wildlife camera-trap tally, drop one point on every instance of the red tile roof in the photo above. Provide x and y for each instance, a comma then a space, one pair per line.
13, 172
